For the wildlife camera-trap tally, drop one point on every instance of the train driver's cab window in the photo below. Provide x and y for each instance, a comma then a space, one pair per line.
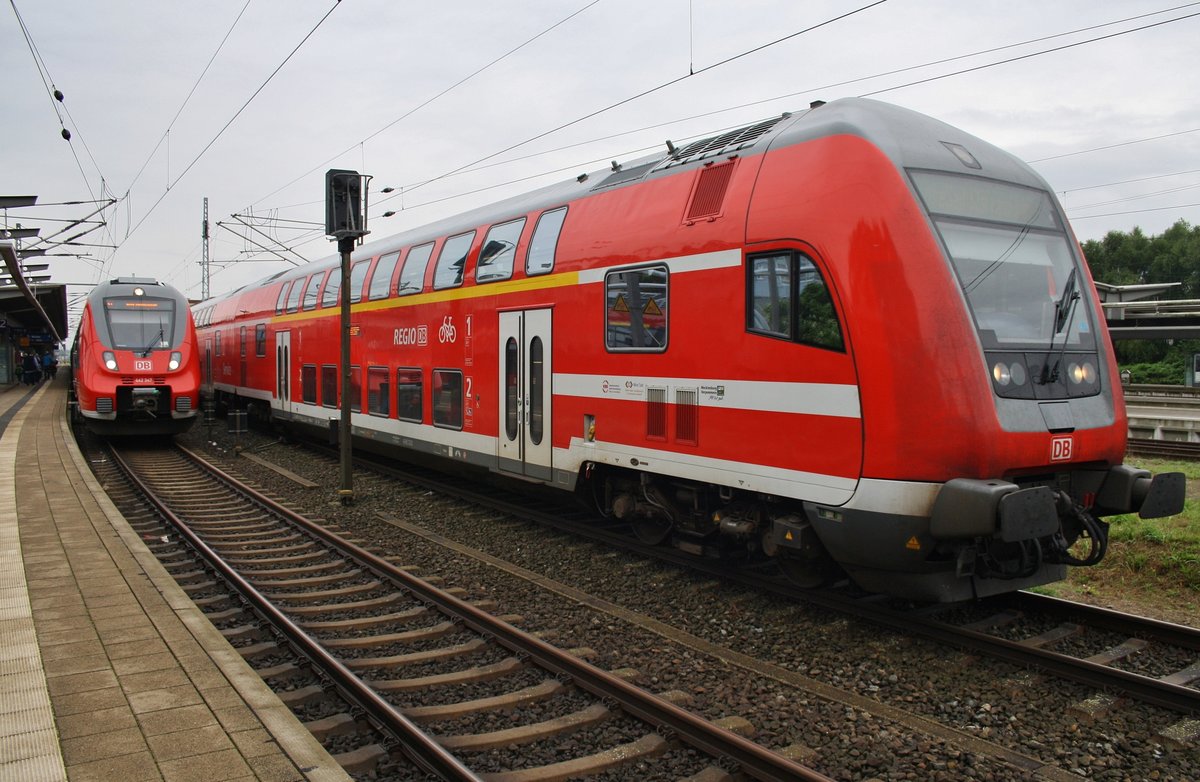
448, 398
358, 275
544, 244
381, 279
451, 261
499, 249
636, 309
412, 277
293, 301
308, 384
333, 284
787, 297
139, 323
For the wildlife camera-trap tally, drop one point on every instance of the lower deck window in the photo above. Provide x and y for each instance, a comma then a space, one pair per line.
636, 310
355, 389
409, 394
308, 384
329, 385
377, 390
448, 398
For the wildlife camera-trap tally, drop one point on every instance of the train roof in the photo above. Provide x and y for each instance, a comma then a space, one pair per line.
123, 285
902, 134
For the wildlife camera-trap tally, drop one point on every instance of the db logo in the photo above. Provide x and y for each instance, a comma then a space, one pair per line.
1061, 449
142, 366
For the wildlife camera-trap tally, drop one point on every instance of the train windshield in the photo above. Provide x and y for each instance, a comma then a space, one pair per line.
1013, 259
140, 323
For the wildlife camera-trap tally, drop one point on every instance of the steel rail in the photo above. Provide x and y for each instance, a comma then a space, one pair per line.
418, 745
1115, 621
753, 759
1145, 688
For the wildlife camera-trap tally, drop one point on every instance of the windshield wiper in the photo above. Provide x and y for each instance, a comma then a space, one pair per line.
1064, 308
157, 338
1065, 303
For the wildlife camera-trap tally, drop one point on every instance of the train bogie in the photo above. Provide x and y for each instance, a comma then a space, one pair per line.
850, 338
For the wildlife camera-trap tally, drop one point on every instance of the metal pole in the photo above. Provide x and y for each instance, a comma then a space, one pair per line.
204, 262
346, 491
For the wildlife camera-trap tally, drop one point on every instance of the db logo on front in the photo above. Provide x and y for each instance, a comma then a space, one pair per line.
1062, 449
142, 366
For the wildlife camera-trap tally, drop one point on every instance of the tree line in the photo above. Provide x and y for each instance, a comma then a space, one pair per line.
1131, 258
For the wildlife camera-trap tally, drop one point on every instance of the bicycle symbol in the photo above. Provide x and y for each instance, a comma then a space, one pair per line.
447, 333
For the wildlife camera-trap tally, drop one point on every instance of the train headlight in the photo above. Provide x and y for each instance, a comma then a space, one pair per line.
110, 361
1006, 374
1084, 373
176, 360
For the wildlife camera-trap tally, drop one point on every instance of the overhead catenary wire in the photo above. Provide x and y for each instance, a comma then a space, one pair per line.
1030, 56
166, 133
1001, 62
651, 91
231, 120
430, 100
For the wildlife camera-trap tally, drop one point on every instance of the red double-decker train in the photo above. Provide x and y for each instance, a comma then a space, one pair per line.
851, 337
135, 367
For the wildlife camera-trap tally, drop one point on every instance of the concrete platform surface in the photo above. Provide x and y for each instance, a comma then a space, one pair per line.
107, 670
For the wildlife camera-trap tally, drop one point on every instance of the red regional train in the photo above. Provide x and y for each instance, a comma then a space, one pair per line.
135, 366
849, 337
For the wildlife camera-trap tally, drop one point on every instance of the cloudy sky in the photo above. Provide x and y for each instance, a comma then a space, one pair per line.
455, 104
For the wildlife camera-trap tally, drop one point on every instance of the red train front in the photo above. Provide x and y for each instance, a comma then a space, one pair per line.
851, 337
134, 364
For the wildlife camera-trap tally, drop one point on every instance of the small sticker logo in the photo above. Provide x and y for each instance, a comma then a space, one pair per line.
1062, 448
913, 544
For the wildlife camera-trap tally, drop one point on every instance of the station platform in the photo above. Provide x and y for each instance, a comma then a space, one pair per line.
107, 670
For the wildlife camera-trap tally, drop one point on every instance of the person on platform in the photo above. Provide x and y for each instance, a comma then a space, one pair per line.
30, 372
49, 364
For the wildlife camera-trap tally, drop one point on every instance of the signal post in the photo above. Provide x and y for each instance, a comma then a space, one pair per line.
344, 222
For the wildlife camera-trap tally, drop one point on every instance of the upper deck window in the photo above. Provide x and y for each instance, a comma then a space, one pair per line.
293, 300
452, 260
544, 244
310, 292
333, 284
381, 279
358, 275
281, 302
412, 278
499, 249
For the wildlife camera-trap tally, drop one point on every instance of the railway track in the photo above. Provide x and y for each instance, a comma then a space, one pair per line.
1140, 658
424, 666
1163, 449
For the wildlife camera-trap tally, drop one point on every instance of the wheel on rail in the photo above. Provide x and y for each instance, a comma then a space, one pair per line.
806, 572
652, 531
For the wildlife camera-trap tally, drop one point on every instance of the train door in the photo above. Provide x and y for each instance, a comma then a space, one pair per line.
524, 445
283, 370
